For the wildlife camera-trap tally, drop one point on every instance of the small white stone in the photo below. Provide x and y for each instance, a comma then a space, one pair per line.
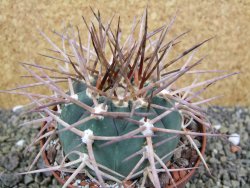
165, 92
20, 143
17, 108
77, 182
234, 139
215, 151
217, 127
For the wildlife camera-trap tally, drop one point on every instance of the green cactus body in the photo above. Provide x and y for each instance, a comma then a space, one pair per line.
112, 156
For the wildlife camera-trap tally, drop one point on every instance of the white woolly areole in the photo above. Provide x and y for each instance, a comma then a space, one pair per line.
84, 157
91, 78
100, 108
120, 97
234, 139
88, 93
121, 104
75, 96
87, 136
165, 92
140, 102
148, 131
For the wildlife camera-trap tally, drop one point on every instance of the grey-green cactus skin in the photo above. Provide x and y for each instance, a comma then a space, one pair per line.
112, 156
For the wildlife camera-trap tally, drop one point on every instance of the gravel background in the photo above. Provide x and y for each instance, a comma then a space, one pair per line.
228, 169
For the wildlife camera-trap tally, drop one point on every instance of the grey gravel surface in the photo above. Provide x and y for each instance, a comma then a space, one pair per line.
227, 169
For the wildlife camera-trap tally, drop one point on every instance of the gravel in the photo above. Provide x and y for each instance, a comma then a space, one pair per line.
228, 169
14, 155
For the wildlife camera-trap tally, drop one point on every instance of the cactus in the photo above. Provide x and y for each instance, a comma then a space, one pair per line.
122, 115
112, 155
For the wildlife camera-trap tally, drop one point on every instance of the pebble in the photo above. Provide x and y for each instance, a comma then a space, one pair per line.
235, 183
20, 143
224, 130
38, 178
45, 181
234, 139
242, 172
226, 179
235, 149
223, 159
214, 160
218, 146
197, 143
34, 185
3, 138
28, 179
13, 157
17, 109
40, 165
181, 162
177, 154
11, 161
193, 126
217, 127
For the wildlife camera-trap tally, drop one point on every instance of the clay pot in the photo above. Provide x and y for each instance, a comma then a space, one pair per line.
180, 177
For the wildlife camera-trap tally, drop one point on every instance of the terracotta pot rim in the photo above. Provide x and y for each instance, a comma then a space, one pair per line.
179, 183
182, 182
55, 173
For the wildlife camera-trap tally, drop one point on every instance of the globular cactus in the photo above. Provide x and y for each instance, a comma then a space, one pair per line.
122, 115
114, 154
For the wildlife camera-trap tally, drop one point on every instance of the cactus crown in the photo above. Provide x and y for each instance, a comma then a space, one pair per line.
121, 116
